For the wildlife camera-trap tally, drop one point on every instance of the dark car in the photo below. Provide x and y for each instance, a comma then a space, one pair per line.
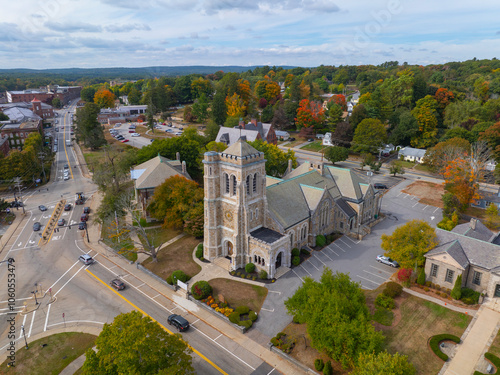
37, 226
86, 210
42, 208
82, 225
178, 321
291, 139
310, 140
66, 166
84, 217
117, 284
61, 222
67, 207
379, 186
16, 204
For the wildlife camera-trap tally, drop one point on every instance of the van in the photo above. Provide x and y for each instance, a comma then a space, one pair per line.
86, 259
68, 143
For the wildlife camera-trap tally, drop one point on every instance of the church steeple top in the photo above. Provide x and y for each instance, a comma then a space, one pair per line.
240, 149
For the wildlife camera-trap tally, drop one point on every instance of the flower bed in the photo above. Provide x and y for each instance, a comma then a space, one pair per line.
436, 340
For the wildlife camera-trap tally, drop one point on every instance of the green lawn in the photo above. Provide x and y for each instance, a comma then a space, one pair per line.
315, 146
406, 164
236, 293
422, 168
160, 235
59, 351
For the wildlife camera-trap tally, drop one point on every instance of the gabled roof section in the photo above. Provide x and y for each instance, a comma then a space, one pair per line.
475, 229
287, 203
155, 171
453, 249
347, 181
230, 136
346, 208
241, 148
300, 170
270, 180
312, 195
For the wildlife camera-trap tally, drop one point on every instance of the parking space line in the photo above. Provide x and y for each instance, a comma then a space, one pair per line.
425, 207
157, 295
364, 278
435, 210
373, 274
414, 205
311, 263
317, 257
342, 239
354, 242
141, 285
301, 279
401, 192
218, 337
332, 251
381, 270
31, 324
326, 256
339, 247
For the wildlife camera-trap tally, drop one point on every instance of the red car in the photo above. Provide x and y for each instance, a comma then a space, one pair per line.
124, 140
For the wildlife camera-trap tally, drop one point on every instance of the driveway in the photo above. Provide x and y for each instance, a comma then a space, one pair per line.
357, 258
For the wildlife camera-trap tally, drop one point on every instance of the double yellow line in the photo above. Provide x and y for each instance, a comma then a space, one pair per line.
161, 325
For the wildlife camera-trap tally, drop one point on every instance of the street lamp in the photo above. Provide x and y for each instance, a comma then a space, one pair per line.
36, 301
24, 334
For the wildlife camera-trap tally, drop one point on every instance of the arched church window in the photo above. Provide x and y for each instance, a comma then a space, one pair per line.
248, 185
233, 184
255, 183
255, 258
210, 171
226, 178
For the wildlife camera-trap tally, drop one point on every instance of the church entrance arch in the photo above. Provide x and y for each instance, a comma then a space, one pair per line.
278, 261
229, 248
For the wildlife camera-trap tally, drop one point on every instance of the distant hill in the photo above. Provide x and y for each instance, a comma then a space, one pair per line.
73, 74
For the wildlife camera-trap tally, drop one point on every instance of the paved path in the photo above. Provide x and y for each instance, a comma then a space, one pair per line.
437, 301
471, 350
75, 365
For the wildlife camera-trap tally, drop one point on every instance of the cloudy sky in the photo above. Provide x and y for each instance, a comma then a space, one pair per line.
137, 33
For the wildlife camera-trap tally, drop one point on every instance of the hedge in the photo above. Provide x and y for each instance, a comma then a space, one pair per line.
320, 240
295, 252
328, 370
495, 361
435, 340
319, 364
180, 275
234, 317
296, 261
393, 289
201, 289
305, 252
263, 274
385, 301
199, 251
249, 268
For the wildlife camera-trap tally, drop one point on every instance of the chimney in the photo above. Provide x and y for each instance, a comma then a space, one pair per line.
254, 121
290, 166
473, 222
183, 167
178, 156
241, 124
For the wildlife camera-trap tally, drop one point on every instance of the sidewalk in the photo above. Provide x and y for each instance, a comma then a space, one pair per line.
472, 349
437, 301
218, 324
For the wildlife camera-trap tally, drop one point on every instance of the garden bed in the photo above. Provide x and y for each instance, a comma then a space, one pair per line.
236, 293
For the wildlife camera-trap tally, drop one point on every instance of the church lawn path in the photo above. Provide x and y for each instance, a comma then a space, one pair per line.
176, 256
236, 293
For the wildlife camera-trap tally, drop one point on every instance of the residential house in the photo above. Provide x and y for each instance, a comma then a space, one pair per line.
112, 116
470, 250
252, 131
151, 174
412, 154
486, 199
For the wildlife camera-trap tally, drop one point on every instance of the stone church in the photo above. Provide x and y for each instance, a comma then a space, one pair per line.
254, 218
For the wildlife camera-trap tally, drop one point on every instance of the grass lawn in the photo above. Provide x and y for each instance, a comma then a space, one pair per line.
422, 168
176, 256
161, 235
406, 164
236, 293
60, 350
495, 345
315, 146
297, 142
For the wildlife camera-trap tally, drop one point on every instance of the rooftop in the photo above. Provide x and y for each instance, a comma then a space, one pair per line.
267, 235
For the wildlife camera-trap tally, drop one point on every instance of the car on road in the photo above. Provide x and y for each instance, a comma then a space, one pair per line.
61, 222
84, 217
124, 141
42, 208
67, 207
135, 135
117, 284
179, 322
387, 261
16, 203
310, 140
82, 225
66, 177
291, 139
86, 210
178, 133
37, 226
86, 259
379, 186
66, 166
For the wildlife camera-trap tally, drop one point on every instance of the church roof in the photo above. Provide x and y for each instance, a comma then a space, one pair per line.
155, 171
349, 184
267, 235
240, 148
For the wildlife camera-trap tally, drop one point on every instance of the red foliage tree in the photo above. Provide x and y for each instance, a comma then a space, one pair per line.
443, 97
262, 103
309, 114
404, 274
340, 100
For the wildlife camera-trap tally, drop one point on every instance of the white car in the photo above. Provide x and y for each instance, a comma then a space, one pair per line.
388, 261
66, 177
178, 133
135, 135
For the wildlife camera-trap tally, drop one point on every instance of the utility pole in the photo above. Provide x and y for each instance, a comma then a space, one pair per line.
18, 185
41, 156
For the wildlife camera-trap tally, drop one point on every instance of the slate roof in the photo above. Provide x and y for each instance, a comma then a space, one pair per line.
267, 235
240, 148
348, 182
480, 232
155, 171
20, 114
230, 136
466, 250
410, 151
345, 207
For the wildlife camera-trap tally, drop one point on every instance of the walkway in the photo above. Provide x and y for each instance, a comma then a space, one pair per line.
472, 349
437, 301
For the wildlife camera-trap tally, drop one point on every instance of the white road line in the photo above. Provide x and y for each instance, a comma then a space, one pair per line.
74, 264
31, 325
399, 194
301, 279
19, 235
157, 295
354, 242
47, 318
9, 309
141, 285
364, 278
2, 348
227, 350
378, 269
373, 274
365, 287
339, 247
273, 291
342, 239
326, 255
196, 321
267, 309
333, 251
435, 210
311, 263
17, 299
21, 331
317, 257
271, 371
66, 283
415, 204
306, 269
218, 337
23, 248
75, 321
425, 207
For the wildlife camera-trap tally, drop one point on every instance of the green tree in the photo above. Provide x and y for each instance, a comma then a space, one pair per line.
492, 215
134, 344
456, 292
211, 130
200, 108
267, 114
279, 120
383, 363
334, 115
396, 168
369, 135
405, 130
336, 153
219, 110
134, 96
3, 117
56, 103
87, 93
277, 160
359, 113
337, 318
425, 112
409, 242
88, 130
182, 89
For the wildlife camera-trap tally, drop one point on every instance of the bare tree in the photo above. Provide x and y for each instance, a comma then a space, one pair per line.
480, 155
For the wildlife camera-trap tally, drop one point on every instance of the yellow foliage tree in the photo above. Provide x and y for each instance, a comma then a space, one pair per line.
104, 98
235, 106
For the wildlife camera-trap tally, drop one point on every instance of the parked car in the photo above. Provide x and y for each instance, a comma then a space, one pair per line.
179, 322
66, 166
117, 284
86, 259
291, 139
169, 131
42, 208
86, 210
37, 226
387, 261
136, 135
66, 177
84, 217
124, 141
61, 222
82, 225
178, 133
310, 140
67, 207
379, 186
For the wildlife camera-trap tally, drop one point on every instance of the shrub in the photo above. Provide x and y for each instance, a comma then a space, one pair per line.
467, 300
280, 335
180, 275
234, 317
434, 344
330, 238
320, 240
305, 252
404, 275
319, 364
383, 316
470, 294
393, 289
384, 301
296, 261
254, 278
295, 252
428, 283
493, 359
201, 289
328, 370
426, 289
252, 315
242, 310
263, 274
249, 276
274, 341
245, 323
199, 251
295, 319
421, 276
249, 268
456, 293
169, 280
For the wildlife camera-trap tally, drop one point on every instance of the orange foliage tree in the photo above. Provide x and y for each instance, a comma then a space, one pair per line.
104, 98
235, 106
244, 91
340, 100
443, 97
309, 114
461, 181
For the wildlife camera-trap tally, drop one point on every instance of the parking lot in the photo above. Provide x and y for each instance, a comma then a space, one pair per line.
357, 258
